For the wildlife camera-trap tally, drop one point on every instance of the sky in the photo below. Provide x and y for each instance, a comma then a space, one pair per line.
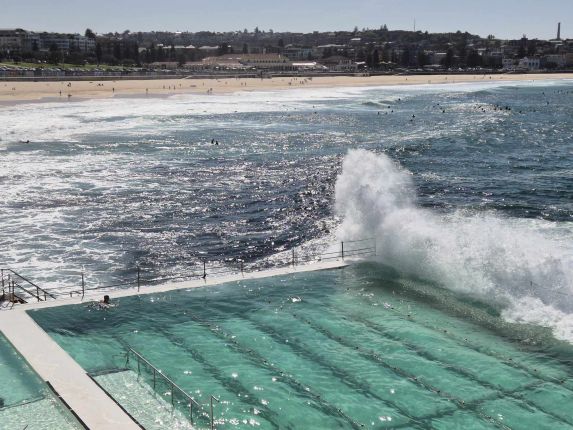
503, 18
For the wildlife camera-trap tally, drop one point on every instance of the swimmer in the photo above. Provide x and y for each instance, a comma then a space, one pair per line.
104, 304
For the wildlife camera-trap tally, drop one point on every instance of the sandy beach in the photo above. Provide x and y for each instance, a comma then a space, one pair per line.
71, 90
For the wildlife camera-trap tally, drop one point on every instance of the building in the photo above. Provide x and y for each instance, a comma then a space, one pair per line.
555, 60
12, 39
436, 58
338, 63
529, 64
508, 63
267, 62
297, 52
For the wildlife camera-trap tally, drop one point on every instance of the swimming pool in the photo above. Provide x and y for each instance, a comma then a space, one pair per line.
351, 348
25, 400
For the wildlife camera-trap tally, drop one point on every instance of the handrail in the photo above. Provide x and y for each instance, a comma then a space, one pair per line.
200, 271
156, 371
17, 285
211, 398
38, 288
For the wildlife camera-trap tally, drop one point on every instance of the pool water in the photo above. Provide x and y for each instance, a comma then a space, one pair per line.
25, 400
153, 411
355, 348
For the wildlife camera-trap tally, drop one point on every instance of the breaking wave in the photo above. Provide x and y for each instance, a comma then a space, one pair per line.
524, 266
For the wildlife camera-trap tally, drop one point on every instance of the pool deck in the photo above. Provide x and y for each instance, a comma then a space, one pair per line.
69, 379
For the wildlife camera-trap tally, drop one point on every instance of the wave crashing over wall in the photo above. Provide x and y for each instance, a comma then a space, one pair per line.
520, 265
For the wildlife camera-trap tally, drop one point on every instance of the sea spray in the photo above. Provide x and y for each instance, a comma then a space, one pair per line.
521, 268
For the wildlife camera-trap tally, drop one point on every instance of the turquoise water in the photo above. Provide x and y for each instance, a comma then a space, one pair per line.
19, 383
358, 347
468, 186
25, 401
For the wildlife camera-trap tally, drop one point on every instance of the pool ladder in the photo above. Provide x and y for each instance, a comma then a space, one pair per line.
156, 372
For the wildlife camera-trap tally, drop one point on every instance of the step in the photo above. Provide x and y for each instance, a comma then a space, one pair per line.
152, 410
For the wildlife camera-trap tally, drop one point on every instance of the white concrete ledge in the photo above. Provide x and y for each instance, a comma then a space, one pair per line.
92, 295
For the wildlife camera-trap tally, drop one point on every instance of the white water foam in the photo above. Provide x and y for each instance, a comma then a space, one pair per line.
71, 121
523, 265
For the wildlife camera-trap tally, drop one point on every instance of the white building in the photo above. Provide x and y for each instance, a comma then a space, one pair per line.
529, 64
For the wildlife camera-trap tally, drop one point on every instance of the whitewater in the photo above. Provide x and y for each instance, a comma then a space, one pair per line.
468, 187
525, 268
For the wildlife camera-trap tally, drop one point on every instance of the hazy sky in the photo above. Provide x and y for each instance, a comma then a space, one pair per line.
503, 18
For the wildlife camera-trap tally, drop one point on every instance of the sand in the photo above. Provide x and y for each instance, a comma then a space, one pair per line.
65, 90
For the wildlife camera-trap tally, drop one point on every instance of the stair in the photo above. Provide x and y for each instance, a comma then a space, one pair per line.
151, 410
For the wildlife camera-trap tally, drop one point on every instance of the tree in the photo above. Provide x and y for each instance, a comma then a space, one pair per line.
422, 58
474, 59
245, 48
54, 56
405, 60
99, 53
369, 62
448, 61
223, 49
375, 59
117, 51
89, 33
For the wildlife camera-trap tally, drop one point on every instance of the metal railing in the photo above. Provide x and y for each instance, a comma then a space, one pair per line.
11, 280
347, 249
174, 387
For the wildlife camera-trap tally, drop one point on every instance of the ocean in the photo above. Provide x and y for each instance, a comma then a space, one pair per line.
468, 187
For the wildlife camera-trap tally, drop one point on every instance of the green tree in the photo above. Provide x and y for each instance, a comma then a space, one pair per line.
369, 62
474, 59
99, 53
181, 59
223, 49
375, 59
405, 60
89, 33
117, 52
448, 61
422, 58
54, 54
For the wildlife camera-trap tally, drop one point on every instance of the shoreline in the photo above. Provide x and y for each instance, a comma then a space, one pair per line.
15, 92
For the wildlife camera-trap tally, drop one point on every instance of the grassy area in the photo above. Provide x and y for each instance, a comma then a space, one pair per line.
62, 66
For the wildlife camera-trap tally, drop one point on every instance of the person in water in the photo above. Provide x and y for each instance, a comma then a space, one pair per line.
105, 303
